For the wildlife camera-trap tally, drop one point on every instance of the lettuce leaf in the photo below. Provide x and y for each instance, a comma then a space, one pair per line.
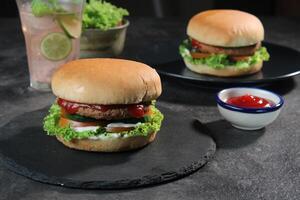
102, 15
52, 128
220, 61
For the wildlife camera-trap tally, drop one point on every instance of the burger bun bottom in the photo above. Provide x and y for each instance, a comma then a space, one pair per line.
109, 145
228, 71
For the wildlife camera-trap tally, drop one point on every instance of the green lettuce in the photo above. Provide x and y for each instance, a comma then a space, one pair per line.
102, 15
220, 61
52, 128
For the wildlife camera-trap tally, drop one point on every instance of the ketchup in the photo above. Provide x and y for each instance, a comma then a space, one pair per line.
250, 101
195, 44
135, 110
69, 107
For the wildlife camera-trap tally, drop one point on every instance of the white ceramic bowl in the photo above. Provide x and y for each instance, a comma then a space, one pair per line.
249, 118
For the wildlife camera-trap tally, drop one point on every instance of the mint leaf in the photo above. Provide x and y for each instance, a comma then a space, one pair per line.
41, 8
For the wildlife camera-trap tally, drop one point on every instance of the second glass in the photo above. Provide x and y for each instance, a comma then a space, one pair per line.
52, 31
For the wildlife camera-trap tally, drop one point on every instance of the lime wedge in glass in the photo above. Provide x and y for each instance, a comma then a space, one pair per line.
70, 23
56, 46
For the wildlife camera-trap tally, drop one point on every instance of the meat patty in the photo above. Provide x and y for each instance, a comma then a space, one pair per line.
107, 112
234, 51
118, 113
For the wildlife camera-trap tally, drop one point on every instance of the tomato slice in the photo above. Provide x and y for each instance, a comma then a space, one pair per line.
238, 58
198, 55
64, 122
63, 112
118, 129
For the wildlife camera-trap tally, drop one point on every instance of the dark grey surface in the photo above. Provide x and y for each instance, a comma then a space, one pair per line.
28, 151
247, 165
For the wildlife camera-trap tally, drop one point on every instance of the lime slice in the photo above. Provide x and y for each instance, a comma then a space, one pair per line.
56, 46
70, 24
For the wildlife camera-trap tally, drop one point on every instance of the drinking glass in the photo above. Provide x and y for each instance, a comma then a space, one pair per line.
52, 31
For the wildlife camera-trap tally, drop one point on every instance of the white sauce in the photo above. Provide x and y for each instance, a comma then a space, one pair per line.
105, 137
86, 128
114, 125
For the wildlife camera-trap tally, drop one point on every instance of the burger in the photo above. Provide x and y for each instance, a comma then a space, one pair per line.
224, 43
104, 105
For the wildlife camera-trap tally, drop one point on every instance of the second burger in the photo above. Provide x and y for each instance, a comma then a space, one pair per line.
224, 43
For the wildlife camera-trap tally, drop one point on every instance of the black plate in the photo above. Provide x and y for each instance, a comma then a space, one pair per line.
179, 149
284, 63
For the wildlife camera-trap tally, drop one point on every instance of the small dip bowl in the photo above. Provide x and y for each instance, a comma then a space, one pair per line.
249, 118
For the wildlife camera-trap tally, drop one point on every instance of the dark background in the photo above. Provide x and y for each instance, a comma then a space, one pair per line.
187, 8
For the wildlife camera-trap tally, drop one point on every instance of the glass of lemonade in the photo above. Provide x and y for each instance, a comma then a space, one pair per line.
52, 31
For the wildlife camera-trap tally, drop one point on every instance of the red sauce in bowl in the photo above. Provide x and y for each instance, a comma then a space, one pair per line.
250, 101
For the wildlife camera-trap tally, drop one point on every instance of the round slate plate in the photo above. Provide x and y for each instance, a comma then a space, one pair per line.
284, 63
178, 150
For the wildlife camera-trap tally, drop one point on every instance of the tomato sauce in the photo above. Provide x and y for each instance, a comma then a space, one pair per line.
135, 110
195, 44
250, 101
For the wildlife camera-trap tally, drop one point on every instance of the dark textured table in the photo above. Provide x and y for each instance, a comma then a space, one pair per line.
263, 164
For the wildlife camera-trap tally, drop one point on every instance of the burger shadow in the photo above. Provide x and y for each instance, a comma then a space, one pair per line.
32, 149
226, 136
184, 93
281, 87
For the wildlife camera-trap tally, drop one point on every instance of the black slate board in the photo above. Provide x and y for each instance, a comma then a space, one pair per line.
178, 150
284, 63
